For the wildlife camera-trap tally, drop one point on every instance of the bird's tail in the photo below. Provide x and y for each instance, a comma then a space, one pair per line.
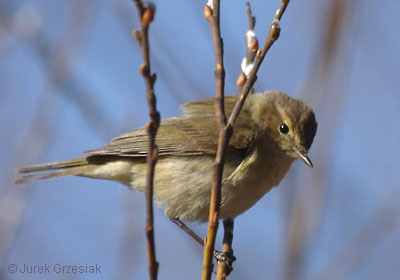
52, 170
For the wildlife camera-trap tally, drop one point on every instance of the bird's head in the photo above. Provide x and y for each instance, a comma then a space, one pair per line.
288, 122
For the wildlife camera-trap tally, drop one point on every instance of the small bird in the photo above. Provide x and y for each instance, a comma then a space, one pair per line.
272, 131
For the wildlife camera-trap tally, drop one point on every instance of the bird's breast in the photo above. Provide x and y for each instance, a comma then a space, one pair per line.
252, 179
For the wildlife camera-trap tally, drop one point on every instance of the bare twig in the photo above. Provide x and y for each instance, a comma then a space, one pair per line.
146, 15
251, 48
212, 14
273, 35
222, 270
252, 20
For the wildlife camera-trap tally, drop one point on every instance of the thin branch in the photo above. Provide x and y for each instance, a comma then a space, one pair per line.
273, 35
223, 269
146, 15
212, 14
251, 48
251, 39
252, 20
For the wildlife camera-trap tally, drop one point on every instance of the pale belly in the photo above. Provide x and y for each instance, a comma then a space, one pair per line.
182, 186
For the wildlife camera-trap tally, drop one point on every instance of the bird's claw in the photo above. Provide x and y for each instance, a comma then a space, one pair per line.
226, 257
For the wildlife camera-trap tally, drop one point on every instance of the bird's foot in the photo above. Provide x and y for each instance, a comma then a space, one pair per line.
226, 257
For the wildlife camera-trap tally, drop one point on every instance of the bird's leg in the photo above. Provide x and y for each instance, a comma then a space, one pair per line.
227, 250
182, 225
227, 257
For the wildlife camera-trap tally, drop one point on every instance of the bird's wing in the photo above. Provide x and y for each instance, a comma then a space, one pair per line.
193, 133
206, 106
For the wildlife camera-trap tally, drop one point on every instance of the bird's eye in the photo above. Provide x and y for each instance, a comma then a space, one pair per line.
283, 128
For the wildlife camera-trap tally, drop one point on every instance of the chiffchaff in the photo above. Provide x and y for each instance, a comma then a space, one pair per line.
272, 130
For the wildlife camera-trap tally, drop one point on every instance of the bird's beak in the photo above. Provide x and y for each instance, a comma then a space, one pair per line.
303, 156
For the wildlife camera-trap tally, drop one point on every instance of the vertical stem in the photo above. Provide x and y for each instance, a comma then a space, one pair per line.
146, 15
212, 14
226, 248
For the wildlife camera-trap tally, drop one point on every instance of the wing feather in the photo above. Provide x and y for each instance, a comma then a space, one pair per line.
193, 133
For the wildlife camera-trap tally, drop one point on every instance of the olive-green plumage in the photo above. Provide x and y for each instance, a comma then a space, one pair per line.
273, 130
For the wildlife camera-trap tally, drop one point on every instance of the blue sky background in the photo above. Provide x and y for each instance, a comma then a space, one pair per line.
69, 83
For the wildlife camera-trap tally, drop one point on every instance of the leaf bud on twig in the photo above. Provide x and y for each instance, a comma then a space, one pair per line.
208, 12
148, 15
275, 30
137, 34
143, 69
241, 79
